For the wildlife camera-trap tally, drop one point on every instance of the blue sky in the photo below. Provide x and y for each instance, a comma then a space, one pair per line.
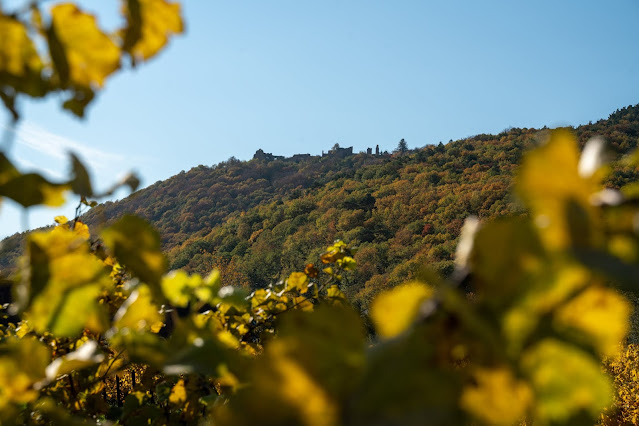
299, 76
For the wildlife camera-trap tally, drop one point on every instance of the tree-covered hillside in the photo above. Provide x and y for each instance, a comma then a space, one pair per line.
260, 219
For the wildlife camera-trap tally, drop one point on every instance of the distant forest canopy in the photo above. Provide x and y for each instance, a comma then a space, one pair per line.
258, 220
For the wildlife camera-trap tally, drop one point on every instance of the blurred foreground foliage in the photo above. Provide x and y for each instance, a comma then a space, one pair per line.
63, 50
99, 330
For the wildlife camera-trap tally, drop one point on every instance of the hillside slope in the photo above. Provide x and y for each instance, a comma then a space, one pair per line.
262, 218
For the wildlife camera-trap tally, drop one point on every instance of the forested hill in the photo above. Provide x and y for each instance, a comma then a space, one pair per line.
259, 219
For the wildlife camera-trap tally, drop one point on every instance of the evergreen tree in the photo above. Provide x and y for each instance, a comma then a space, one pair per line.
402, 147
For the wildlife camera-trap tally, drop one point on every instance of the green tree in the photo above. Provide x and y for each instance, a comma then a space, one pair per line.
402, 147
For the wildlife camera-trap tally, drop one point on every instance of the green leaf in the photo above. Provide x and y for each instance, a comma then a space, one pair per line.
66, 281
623, 274
142, 347
566, 381
58, 56
403, 385
133, 30
78, 103
81, 182
32, 189
500, 278
39, 275
136, 245
65, 312
9, 101
202, 356
7, 169
313, 364
180, 288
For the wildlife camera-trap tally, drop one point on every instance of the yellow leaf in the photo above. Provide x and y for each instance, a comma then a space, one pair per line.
18, 55
65, 300
81, 230
602, 314
348, 263
22, 365
90, 53
136, 245
498, 398
61, 220
178, 393
542, 296
334, 292
303, 303
297, 281
559, 198
299, 390
178, 287
393, 311
160, 19
138, 312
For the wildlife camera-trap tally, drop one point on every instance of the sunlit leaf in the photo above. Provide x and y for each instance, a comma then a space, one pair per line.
395, 310
348, 263
333, 292
19, 55
178, 393
549, 183
20, 64
64, 293
90, 54
178, 287
545, 293
159, 19
66, 311
601, 314
497, 397
139, 312
297, 281
61, 220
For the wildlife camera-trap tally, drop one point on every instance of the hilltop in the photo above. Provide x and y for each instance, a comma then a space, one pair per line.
259, 219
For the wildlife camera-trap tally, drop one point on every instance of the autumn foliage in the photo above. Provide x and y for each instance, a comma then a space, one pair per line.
101, 329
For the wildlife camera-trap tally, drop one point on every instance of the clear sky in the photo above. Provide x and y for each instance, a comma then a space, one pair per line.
298, 76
